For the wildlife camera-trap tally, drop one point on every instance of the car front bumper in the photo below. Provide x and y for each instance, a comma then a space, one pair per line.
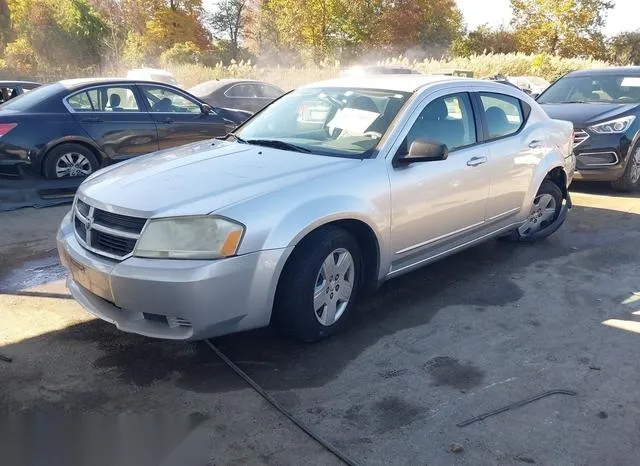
173, 299
602, 157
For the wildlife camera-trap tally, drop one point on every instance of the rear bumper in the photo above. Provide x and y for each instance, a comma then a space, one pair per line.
173, 299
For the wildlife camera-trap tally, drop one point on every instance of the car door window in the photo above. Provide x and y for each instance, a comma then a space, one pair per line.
269, 92
503, 114
104, 99
243, 91
447, 120
165, 100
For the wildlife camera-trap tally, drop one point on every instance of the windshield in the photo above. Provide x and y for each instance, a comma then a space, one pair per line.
620, 89
26, 101
340, 122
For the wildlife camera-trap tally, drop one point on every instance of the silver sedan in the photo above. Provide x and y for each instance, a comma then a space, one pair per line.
321, 197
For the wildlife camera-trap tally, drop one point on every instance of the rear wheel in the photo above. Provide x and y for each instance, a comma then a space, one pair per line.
545, 211
69, 160
630, 180
320, 286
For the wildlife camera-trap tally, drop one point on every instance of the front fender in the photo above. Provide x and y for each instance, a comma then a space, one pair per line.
553, 159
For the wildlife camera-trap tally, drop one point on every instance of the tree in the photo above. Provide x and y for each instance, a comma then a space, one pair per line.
625, 48
228, 23
564, 27
5, 24
485, 39
423, 23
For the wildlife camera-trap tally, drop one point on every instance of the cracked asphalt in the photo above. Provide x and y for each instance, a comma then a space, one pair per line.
493, 325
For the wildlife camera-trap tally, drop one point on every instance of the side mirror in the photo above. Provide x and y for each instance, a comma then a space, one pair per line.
423, 150
206, 109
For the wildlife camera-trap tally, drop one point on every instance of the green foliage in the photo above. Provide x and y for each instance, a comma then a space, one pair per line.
181, 53
566, 27
19, 59
485, 40
625, 48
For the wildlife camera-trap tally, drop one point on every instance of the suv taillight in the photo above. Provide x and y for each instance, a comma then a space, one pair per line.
6, 127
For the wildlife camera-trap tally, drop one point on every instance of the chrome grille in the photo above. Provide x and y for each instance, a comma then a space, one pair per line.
579, 137
106, 233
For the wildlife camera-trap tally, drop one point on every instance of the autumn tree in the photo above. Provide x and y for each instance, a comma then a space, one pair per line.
420, 23
565, 27
485, 39
625, 48
5, 24
229, 23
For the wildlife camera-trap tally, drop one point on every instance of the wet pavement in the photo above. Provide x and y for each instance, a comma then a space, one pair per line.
490, 326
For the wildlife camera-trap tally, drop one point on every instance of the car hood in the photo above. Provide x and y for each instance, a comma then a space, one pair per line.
583, 115
201, 178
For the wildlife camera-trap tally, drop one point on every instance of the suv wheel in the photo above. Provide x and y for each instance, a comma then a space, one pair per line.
319, 286
630, 180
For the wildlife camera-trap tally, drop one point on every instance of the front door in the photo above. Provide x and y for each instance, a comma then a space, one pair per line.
113, 117
438, 201
180, 120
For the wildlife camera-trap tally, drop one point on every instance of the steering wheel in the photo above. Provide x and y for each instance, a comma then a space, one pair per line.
372, 134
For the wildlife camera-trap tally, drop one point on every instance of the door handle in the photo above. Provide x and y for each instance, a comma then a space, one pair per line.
475, 161
535, 144
92, 120
168, 120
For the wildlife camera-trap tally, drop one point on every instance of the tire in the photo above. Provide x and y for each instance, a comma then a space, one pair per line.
630, 180
308, 273
544, 212
78, 160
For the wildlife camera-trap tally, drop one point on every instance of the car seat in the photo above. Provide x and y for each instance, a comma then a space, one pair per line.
114, 103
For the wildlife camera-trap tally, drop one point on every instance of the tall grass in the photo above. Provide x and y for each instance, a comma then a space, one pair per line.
513, 64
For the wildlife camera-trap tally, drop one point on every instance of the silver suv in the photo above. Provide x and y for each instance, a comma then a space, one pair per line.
325, 194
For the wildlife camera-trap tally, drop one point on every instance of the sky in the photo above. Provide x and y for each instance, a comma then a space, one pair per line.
624, 16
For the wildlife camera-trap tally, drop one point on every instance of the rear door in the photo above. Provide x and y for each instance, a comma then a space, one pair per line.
114, 117
514, 149
179, 118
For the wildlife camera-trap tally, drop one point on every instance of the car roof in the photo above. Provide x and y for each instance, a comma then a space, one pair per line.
389, 82
71, 84
614, 70
13, 83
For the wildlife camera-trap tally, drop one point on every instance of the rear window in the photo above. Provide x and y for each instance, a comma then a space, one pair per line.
26, 102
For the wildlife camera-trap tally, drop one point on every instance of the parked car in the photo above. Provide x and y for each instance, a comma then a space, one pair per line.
242, 94
74, 127
289, 224
373, 70
12, 89
152, 74
533, 85
604, 106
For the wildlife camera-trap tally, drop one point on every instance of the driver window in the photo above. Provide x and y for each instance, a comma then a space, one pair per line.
164, 100
447, 120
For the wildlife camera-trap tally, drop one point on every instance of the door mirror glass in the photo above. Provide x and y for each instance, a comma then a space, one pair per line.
424, 150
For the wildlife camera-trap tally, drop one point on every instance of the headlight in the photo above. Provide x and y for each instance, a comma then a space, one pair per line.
200, 237
619, 125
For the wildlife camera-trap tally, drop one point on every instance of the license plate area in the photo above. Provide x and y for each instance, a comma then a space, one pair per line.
93, 280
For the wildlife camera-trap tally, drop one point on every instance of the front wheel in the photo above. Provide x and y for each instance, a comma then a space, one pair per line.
544, 216
630, 180
320, 286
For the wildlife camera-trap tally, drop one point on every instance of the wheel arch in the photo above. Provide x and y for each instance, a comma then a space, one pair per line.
82, 141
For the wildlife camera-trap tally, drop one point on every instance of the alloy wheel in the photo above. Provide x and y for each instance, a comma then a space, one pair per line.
635, 166
73, 164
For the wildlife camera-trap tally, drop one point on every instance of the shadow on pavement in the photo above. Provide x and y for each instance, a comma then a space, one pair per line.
486, 275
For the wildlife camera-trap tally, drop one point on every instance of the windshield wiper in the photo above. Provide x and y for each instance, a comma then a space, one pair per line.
232, 136
277, 144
